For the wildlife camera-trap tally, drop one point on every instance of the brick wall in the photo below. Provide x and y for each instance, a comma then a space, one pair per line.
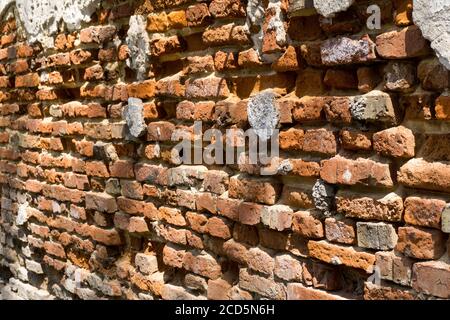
89, 210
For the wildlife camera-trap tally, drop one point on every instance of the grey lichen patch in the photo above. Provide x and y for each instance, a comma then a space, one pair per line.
434, 21
328, 8
41, 18
263, 114
323, 195
133, 114
139, 45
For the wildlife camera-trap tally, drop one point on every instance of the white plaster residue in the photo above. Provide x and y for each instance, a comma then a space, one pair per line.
328, 8
263, 114
434, 21
347, 176
138, 43
41, 18
276, 22
22, 215
3, 5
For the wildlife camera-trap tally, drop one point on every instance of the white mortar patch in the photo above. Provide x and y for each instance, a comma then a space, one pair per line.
328, 8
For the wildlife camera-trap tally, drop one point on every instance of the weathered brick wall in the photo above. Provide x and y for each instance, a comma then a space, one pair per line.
89, 211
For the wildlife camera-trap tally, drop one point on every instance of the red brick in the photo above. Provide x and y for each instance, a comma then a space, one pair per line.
419, 173
320, 141
98, 34
356, 140
80, 56
202, 264
385, 292
160, 131
227, 8
218, 289
291, 140
55, 249
341, 79
424, 211
370, 206
406, 43
198, 14
341, 255
289, 61
167, 45
207, 88
432, 277
219, 227
107, 237
122, 169
142, 90
307, 225
97, 169
261, 260
27, 81
421, 243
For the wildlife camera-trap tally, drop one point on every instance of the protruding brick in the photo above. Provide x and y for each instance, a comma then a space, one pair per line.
406, 43
340, 230
344, 50
339, 170
297, 291
278, 217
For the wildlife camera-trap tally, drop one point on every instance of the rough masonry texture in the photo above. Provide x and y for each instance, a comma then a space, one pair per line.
95, 96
